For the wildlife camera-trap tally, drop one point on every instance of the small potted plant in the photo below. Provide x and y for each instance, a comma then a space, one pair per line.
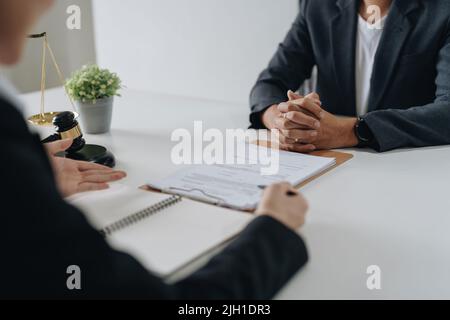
93, 90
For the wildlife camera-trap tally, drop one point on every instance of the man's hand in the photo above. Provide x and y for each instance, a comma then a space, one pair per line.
300, 135
297, 120
336, 132
76, 176
283, 203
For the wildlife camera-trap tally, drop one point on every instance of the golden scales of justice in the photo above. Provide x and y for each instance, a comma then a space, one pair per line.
46, 118
65, 123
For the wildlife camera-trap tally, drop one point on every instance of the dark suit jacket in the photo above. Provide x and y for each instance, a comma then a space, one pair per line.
41, 236
410, 90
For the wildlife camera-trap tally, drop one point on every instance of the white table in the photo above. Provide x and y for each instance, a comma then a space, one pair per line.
390, 210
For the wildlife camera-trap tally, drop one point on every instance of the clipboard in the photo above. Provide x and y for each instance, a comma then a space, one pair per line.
341, 158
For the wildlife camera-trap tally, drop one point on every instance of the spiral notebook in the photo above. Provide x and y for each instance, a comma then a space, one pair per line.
164, 233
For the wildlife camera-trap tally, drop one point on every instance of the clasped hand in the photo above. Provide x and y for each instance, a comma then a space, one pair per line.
304, 126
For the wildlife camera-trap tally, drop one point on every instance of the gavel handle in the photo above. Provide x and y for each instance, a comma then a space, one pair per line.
52, 138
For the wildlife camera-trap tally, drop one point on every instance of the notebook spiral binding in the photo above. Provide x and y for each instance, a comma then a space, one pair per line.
139, 216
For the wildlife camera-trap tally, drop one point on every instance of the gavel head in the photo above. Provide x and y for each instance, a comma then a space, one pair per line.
68, 128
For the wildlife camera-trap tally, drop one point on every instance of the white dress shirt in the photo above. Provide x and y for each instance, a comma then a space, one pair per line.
367, 42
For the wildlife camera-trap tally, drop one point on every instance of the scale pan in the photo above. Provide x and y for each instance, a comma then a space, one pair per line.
46, 119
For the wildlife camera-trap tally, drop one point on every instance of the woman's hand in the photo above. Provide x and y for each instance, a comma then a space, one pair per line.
77, 176
283, 203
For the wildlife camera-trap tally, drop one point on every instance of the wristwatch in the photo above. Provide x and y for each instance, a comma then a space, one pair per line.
363, 133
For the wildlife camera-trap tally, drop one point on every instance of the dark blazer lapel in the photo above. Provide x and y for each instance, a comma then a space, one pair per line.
343, 46
396, 32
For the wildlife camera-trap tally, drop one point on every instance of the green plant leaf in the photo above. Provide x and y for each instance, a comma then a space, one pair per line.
92, 83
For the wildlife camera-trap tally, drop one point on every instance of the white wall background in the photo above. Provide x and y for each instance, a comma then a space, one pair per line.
202, 48
211, 49
72, 48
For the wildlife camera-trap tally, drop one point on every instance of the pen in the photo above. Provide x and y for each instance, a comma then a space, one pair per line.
289, 193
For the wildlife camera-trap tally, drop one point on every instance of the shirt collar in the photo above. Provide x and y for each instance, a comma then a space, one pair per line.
365, 24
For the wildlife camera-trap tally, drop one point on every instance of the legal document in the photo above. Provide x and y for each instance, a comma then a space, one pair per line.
239, 186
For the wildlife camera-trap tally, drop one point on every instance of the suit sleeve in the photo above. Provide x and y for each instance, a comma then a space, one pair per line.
419, 126
42, 236
291, 65
255, 266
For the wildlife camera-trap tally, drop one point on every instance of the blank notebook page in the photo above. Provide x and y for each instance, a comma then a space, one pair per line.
166, 240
